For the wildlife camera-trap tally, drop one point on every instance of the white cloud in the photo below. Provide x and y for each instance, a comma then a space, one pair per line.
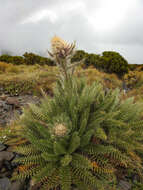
54, 13
40, 15
110, 14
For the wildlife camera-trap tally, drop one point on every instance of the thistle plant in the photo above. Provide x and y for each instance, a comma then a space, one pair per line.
62, 52
81, 137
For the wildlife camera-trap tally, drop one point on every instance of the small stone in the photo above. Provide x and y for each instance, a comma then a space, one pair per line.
2, 147
17, 185
1, 104
135, 178
5, 174
20, 111
7, 107
5, 184
5, 155
7, 164
13, 101
3, 97
124, 185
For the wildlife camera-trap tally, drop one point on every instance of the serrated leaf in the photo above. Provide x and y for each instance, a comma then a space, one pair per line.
50, 157
59, 148
74, 143
100, 133
66, 160
86, 138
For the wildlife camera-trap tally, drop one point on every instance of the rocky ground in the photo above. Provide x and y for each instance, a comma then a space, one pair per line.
11, 106
7, 167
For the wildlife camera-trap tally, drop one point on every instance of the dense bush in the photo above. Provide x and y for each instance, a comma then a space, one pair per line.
27, 58
17, 60
113, 62
133, 67
79, 55
89, 59
109, 61
31, 59
5, 58
93, 59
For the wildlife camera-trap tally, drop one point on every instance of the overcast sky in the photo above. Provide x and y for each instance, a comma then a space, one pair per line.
96, 25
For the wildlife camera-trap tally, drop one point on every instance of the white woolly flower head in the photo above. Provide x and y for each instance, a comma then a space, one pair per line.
57, 44
60, 130
61, 48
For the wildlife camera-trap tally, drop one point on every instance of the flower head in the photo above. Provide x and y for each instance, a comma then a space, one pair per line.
57, 44
60, 48
60, 130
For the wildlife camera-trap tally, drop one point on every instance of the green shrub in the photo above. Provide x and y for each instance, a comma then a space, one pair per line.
133, 67
5, 58
32, 59
79, 55
46, 61
17, 60
93, 59
110, 61
113, 62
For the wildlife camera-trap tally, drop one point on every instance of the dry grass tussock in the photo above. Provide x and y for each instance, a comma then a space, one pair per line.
22, 78
134, 79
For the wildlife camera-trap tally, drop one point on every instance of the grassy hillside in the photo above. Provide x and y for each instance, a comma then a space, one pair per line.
23, 79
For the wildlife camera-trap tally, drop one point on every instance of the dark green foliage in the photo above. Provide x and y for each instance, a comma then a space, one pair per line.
31, 59
17, 60
80, 137
113, 62
90, 59
95, 60
141, 68
5, 58
79, 55
109, 61
137, 186
133, 67
27, 58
